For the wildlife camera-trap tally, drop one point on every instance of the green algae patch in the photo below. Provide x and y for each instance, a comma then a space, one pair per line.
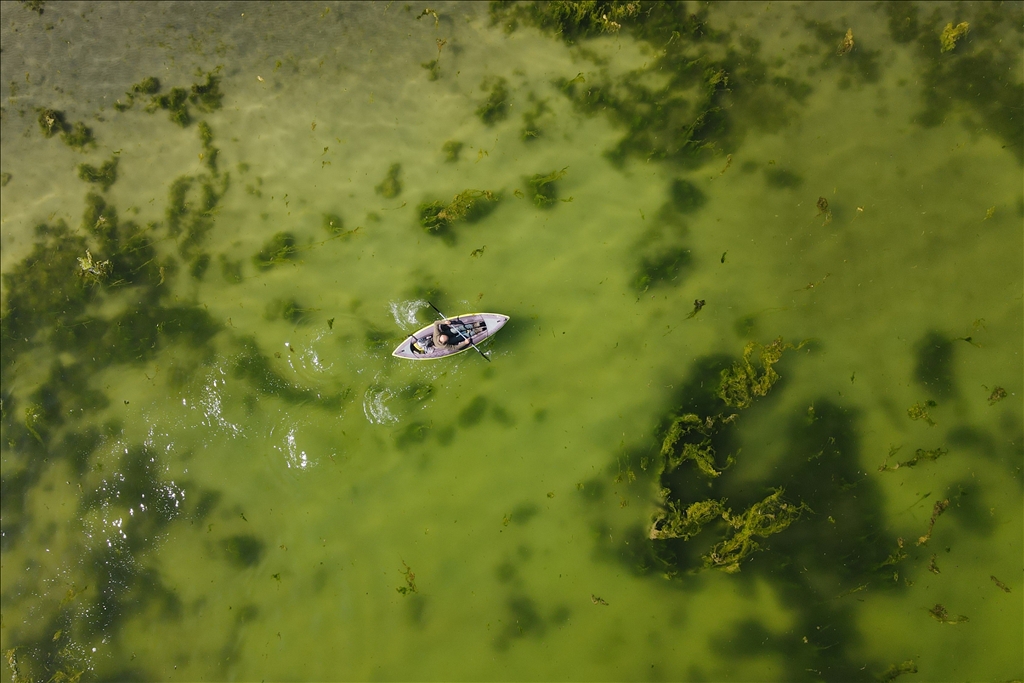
741, 383
569, 20
689, 439
761, 520
676, 522
104, 176
951, 35
279, 249
391, 186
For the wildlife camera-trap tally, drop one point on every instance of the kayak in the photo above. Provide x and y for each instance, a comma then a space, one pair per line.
466, 332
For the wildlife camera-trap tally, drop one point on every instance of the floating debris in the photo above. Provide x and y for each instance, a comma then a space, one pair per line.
410, 580
938, 509
93, 271
847, 43
919, 411
1000, 585
997, 395
896, 556
897, 670
597, 601
698, 304
823, 210
333, 224
919, 455
940, 614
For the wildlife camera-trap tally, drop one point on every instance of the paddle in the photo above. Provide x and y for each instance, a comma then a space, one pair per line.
470, 337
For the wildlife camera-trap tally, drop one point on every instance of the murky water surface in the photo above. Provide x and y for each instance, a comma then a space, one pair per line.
213, 468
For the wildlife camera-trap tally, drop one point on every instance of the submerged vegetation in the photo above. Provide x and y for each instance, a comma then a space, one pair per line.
81, 303
692, 438
496, 107
570, 21
391, 186
279, 249
436, 217
104, 176
542, 188
452, 149
797, 514
205, 96
75, 135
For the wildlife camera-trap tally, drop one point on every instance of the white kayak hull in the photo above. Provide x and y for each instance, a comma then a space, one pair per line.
475, 327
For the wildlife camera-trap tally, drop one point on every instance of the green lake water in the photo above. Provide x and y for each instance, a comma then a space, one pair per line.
214, 469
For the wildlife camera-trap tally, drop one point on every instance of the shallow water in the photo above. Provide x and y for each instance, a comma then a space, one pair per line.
223, 474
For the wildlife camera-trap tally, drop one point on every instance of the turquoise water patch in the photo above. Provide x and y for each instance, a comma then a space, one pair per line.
756, 415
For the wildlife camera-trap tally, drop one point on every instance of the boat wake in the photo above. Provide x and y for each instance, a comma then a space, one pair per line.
405, 312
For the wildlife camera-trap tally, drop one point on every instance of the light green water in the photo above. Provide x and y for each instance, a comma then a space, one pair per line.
202, 484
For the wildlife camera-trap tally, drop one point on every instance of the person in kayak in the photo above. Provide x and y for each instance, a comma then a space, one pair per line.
447, 337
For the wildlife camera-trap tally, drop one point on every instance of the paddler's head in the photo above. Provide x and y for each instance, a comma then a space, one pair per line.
442, 339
